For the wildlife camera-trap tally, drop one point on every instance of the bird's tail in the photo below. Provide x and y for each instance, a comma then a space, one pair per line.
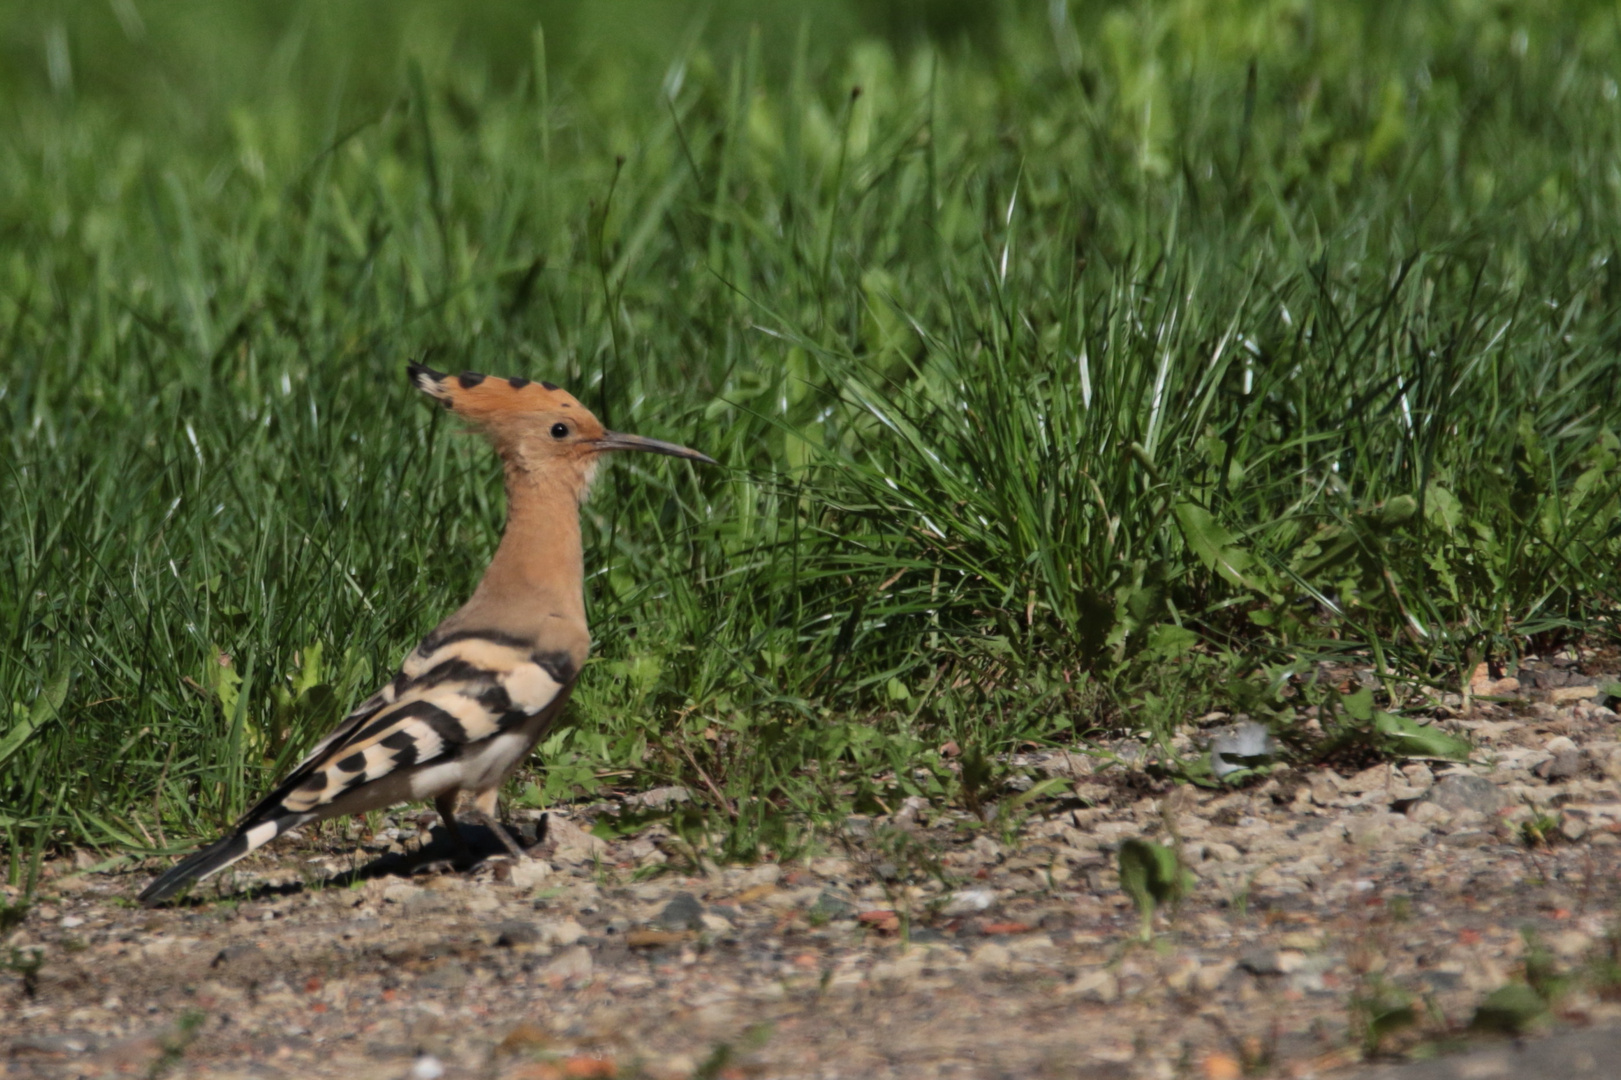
218, 855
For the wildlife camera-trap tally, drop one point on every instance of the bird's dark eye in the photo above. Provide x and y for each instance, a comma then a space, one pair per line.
560, 431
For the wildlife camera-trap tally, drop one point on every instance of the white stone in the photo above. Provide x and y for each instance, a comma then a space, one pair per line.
1418, 776
1211, 976
765, 874
1570, 944
574, 844
1427, 813
660, 797
1108, 832
969, 901
804, 896
901, 969
530, 873
572, 963
990, 957
1033, 947
1376, 778
1290, 960
1384, 831
560, 932
830, 867
1098, 985
1563, 695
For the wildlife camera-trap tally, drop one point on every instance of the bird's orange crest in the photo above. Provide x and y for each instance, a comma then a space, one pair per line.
528, 421
487, 397
532, 423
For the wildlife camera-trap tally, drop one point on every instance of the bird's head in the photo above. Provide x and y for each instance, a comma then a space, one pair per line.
537, 428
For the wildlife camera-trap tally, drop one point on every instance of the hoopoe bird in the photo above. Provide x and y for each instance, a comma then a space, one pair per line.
473, 699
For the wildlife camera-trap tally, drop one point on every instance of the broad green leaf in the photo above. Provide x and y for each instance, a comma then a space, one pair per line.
222, 679
1386, 1016
1152, 876
1050, 786
1442, 508
1438, 563
47, 706
1390, 130
1215, 546
1359, 704
1328, 547
1393, 512
1509, 1009
1408, 737
309, 670
1168, 640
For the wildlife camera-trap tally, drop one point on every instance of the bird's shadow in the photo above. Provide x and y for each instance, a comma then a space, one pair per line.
440, 855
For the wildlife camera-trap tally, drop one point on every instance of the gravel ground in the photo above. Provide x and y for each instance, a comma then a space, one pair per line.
918, 944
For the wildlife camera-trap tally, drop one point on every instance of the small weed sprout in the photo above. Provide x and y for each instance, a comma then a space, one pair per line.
1510, 1009
1378, 1010
26, 964
1604, 966
1540, 829
1153, 876
12, 914
1542, 972
175, 1044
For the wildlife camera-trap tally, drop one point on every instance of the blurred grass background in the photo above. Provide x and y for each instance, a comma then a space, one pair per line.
1076, 368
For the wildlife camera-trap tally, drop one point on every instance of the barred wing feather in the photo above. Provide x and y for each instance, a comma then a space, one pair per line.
450, 692
454, 694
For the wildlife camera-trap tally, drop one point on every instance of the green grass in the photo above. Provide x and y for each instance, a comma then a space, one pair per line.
1072, 372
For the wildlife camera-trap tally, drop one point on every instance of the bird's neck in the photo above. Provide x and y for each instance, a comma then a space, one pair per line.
538, 570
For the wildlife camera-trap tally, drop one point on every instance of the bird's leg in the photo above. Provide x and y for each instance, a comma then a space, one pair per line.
446, 805
484, 808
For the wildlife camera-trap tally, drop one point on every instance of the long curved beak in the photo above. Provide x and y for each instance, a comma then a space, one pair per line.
617, 440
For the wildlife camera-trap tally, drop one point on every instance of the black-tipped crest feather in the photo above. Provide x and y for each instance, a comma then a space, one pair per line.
425, 379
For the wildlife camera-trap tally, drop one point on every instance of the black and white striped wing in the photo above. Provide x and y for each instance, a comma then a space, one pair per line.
454, 694
451, 692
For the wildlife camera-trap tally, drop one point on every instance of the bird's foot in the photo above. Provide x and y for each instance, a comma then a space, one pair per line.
435, 867
465, 860
536, 839
513, 848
